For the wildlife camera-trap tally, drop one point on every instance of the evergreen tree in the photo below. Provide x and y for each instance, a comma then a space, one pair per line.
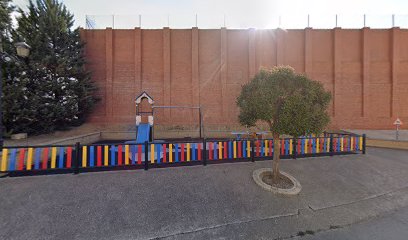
8, 64
57, 90
5, 11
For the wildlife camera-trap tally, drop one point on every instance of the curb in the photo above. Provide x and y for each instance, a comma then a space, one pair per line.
257, 176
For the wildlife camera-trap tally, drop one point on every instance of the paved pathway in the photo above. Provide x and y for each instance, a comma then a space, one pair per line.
382, 134
214, 202
392, 226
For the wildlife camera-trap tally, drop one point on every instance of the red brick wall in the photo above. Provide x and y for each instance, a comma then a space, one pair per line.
365, 69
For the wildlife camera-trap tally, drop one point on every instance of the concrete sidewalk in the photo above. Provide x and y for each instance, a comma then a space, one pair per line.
393, 226
384, 138
382, 134
216, 201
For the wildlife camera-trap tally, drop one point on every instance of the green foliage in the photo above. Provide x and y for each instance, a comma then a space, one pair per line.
290, 103
50, 90
5, 10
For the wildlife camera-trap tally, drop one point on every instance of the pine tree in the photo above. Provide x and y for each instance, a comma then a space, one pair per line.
13, 91
58, 92
5, 11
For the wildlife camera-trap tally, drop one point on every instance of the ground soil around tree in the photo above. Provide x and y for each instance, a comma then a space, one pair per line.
283, 182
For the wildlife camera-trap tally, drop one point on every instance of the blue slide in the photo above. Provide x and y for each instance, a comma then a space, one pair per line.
143, 133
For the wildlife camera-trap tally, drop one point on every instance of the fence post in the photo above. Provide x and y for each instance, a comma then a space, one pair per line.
146, 152
77, 157
331, 144
204, 152
253, 150
364, 144
294, 147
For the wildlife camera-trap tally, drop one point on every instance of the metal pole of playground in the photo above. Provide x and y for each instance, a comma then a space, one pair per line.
153, 124
189, 107
200, 120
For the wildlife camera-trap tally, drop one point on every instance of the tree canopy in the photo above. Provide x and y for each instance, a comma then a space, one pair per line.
51, 89
288, 102
5, 11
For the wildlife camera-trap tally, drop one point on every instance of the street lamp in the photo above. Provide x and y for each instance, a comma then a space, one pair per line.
23, 50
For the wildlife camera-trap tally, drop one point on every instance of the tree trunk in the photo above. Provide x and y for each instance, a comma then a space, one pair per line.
276, 157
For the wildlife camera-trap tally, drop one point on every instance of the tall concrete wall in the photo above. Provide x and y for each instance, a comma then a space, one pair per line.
365, 69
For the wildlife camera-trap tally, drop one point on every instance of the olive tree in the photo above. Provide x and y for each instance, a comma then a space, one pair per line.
288, 102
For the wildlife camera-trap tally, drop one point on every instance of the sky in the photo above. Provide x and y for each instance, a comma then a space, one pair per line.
237, 13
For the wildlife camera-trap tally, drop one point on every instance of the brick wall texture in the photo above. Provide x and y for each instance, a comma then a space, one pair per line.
365, 69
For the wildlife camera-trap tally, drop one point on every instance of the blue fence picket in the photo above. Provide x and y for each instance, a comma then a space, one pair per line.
176, 152
215, 150
61, 158
91, 156
244, 149
37, 158
133, 151
193, 151
158, 151
230, 149
112, 153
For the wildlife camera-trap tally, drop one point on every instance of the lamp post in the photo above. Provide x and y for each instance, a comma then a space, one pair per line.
23, 50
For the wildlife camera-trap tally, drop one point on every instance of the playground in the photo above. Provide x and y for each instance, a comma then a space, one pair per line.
147, 152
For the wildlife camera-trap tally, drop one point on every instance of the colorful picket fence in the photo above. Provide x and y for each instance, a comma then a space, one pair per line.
111, 155
36, 158
162, 153
75, 158
229, 150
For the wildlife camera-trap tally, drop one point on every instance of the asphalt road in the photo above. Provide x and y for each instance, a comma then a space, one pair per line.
214, 202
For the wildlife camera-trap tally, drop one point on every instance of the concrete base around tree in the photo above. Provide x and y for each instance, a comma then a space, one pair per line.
260, 173
218, 201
